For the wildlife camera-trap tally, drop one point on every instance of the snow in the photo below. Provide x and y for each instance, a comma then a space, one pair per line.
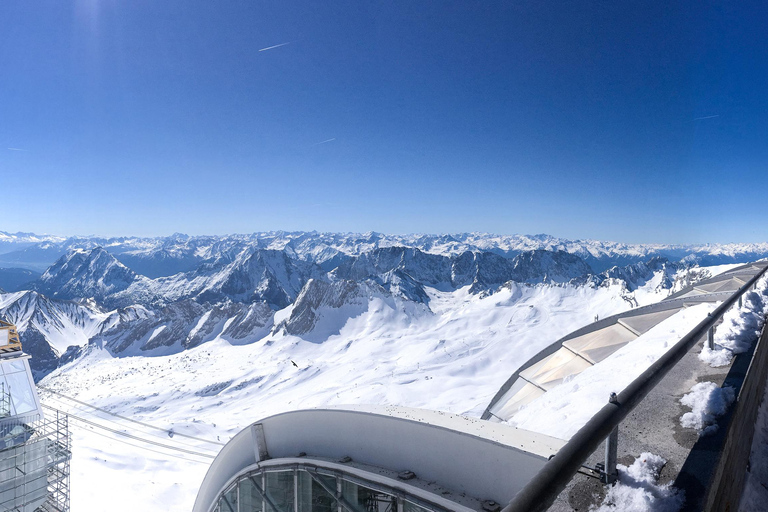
452, 358
708, 402
562, 411
740, 327
755, 493
638, 490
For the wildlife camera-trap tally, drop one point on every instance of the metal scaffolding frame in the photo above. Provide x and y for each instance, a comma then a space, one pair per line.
34, 465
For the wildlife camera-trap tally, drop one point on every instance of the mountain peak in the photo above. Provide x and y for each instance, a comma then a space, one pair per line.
85, 273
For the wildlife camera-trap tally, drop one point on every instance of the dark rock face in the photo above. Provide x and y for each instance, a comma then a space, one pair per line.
262, 275
183, 324
548, 266
638, 274
44, 360
320, 294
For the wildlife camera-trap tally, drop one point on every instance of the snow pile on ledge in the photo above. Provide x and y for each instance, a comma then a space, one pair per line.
740, 327
708, 401
637, 489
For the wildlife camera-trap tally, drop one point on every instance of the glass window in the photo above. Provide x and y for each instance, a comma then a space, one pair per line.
412, 507
280, 489
250, 497
14, 366
22, 396
368, 499
228, 502
312, 496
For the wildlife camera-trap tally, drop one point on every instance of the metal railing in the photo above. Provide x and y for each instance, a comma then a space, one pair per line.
539, 494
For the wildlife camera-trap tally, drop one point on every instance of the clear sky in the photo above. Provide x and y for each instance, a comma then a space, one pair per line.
630, 121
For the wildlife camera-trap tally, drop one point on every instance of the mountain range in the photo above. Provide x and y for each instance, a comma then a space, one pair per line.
156, 296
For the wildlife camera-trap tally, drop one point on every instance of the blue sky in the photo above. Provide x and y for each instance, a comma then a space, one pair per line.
629, 121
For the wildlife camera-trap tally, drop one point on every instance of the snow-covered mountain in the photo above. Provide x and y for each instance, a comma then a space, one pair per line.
93, 273
206, 334
47, 327
244, 288
166, 256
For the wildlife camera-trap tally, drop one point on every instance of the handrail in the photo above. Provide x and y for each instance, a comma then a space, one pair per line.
539, 494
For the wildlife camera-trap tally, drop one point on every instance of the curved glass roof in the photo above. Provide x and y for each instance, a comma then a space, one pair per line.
591, 344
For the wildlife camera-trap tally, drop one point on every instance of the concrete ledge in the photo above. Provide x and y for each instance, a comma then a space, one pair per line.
728, 481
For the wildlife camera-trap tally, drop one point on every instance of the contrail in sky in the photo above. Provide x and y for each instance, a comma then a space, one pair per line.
276, 46
706, 117
329, 140
16, 149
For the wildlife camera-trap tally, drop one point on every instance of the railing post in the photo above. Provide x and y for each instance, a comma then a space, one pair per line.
740, 303
611, 450
711, 338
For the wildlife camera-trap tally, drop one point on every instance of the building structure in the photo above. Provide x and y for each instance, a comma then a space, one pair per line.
34, 449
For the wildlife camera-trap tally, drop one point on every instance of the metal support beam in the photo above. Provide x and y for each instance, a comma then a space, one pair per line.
259, 442
611, 474
263, 494
337, 495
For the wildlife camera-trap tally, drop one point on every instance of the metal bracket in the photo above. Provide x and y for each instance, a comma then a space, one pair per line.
606, 471
259, 442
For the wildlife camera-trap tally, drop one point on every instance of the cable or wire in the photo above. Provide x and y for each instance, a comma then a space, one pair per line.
130, 419
58, 403
91, 430
131, 436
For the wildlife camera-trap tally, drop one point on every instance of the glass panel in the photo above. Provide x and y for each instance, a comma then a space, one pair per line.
14, 366
312, 497
280, 489
250, 498
21, 392
367, 499
228, 502
412, 507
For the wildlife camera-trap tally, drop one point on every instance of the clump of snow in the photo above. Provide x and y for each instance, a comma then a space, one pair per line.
708, 401
740, 328
755, 493
638, 491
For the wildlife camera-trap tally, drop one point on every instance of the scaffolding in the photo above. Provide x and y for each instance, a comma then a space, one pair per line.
34, 465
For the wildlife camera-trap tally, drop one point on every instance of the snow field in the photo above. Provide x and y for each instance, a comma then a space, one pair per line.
453, 359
